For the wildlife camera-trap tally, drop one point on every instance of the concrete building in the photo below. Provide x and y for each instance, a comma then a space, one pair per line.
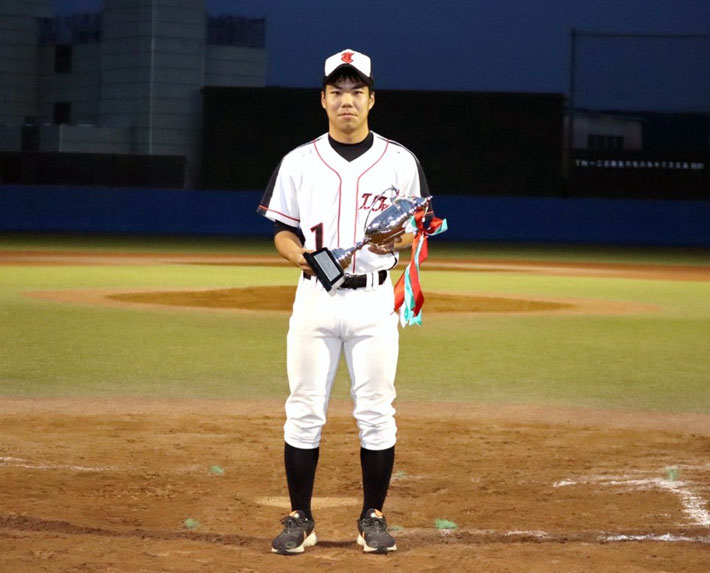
604, 131
127, 80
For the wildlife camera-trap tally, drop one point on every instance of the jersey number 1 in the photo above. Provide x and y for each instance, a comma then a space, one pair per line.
318, 230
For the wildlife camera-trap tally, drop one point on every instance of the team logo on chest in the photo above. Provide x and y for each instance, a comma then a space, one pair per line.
375, 202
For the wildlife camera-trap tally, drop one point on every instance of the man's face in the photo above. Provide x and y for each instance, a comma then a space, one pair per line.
347, 104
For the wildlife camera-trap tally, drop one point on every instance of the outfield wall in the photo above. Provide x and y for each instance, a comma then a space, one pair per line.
233, 213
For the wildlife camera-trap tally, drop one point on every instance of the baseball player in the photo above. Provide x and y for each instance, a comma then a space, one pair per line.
322, 195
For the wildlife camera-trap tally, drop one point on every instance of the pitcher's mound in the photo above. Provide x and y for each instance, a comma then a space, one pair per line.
281, 298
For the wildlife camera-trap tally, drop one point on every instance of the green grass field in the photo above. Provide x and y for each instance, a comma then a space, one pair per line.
651, 360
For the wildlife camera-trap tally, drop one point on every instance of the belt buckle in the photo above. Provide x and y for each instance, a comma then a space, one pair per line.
350, 282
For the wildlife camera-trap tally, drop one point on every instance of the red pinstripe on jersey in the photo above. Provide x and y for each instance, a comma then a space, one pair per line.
263, 209
357, 190
357, 193
340, 186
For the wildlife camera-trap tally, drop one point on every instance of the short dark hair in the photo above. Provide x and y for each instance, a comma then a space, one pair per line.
347, 73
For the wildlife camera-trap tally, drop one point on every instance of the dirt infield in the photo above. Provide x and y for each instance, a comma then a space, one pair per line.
177, 486
280, 299
109, 485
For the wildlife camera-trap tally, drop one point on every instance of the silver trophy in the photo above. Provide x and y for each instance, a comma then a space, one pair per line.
329, 264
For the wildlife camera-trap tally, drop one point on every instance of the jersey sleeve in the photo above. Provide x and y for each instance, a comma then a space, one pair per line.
423, 185
279, 202
420, 187
414, 182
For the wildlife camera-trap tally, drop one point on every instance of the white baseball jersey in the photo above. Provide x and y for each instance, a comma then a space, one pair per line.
331, 200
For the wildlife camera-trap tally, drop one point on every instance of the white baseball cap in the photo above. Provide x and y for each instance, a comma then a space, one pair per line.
360, 63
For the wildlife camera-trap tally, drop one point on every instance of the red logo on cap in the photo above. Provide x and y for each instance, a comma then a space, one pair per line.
347, 57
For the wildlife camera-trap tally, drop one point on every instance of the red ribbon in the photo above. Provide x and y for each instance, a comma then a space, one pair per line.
413, 266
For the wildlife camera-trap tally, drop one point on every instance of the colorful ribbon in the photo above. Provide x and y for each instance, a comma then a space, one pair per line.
408, 295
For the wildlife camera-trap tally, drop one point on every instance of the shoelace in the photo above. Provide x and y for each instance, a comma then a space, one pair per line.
290, 522
377, 523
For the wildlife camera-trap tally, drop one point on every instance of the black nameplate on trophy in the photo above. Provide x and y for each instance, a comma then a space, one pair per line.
326, 268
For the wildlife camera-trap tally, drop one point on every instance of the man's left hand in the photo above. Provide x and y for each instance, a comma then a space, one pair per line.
397, 244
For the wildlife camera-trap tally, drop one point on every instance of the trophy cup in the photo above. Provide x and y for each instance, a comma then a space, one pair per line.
328, 264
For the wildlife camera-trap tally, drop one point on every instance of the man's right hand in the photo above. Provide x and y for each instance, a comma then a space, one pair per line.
290, 248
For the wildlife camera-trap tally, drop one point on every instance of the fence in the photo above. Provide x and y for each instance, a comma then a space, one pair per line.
233, 213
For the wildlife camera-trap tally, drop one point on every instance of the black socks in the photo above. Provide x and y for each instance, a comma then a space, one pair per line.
376, 473
300, 475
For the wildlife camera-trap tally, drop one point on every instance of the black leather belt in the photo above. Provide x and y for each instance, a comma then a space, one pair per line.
354, 281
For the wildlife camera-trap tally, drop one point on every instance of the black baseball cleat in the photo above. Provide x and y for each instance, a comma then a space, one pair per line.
374, 536
297, 534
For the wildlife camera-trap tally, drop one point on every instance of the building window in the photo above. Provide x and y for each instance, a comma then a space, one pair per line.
605, 142
62, 58
30, 134
62, 112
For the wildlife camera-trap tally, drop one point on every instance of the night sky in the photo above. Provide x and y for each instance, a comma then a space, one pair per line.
491, 45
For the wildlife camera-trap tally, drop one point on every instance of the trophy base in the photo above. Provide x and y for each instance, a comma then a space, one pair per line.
326, 268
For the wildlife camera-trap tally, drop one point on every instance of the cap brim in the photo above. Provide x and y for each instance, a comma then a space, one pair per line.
368, 81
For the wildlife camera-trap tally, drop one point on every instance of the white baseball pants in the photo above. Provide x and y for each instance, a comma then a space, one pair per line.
361, 324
